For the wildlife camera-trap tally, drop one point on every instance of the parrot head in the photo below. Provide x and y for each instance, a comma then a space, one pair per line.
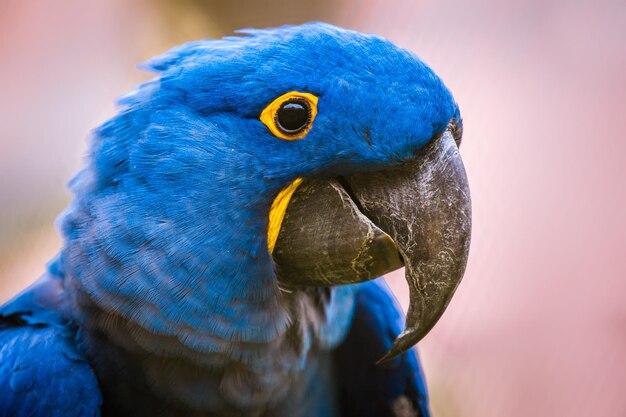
292, 157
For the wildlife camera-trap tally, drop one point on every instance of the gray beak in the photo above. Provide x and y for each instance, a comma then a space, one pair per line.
359, 227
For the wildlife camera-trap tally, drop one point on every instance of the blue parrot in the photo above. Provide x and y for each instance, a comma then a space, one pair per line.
219, 257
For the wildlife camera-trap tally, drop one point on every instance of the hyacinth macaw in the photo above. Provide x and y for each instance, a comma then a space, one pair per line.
217, 220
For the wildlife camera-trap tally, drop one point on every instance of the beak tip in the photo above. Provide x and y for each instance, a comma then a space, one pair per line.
386, 358
393, 353
405, 341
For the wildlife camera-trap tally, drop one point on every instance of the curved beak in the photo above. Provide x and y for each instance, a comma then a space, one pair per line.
358, 227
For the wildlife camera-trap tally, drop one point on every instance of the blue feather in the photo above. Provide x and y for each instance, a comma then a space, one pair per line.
42, 372
398, 383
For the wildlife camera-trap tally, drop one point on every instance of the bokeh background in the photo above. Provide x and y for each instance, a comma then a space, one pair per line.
538, 326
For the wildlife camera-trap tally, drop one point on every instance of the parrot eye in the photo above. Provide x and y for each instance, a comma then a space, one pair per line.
291, 115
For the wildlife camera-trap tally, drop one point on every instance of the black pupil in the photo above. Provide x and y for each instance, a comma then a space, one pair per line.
293, 116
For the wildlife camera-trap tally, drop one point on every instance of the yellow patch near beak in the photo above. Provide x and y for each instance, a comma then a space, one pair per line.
277, 212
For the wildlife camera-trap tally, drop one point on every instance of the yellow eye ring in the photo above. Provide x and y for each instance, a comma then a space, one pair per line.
291, 115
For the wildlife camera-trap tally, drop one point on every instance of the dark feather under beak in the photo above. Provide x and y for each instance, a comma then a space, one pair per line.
359, 227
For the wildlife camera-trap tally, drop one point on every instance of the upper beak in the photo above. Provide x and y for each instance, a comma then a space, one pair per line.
359, 227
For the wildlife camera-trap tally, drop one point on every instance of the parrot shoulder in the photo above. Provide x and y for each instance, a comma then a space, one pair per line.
394, 388
42, 372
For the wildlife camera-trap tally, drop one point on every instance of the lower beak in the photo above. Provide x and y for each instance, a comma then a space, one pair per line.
358, 227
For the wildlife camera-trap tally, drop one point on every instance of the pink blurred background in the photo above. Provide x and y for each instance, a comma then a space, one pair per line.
538, 326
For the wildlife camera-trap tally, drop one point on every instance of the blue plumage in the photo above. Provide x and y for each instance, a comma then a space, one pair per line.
394, 386
42, 369
164, 288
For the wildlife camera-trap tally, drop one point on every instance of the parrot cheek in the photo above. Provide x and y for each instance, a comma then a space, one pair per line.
359, 227
277, 212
